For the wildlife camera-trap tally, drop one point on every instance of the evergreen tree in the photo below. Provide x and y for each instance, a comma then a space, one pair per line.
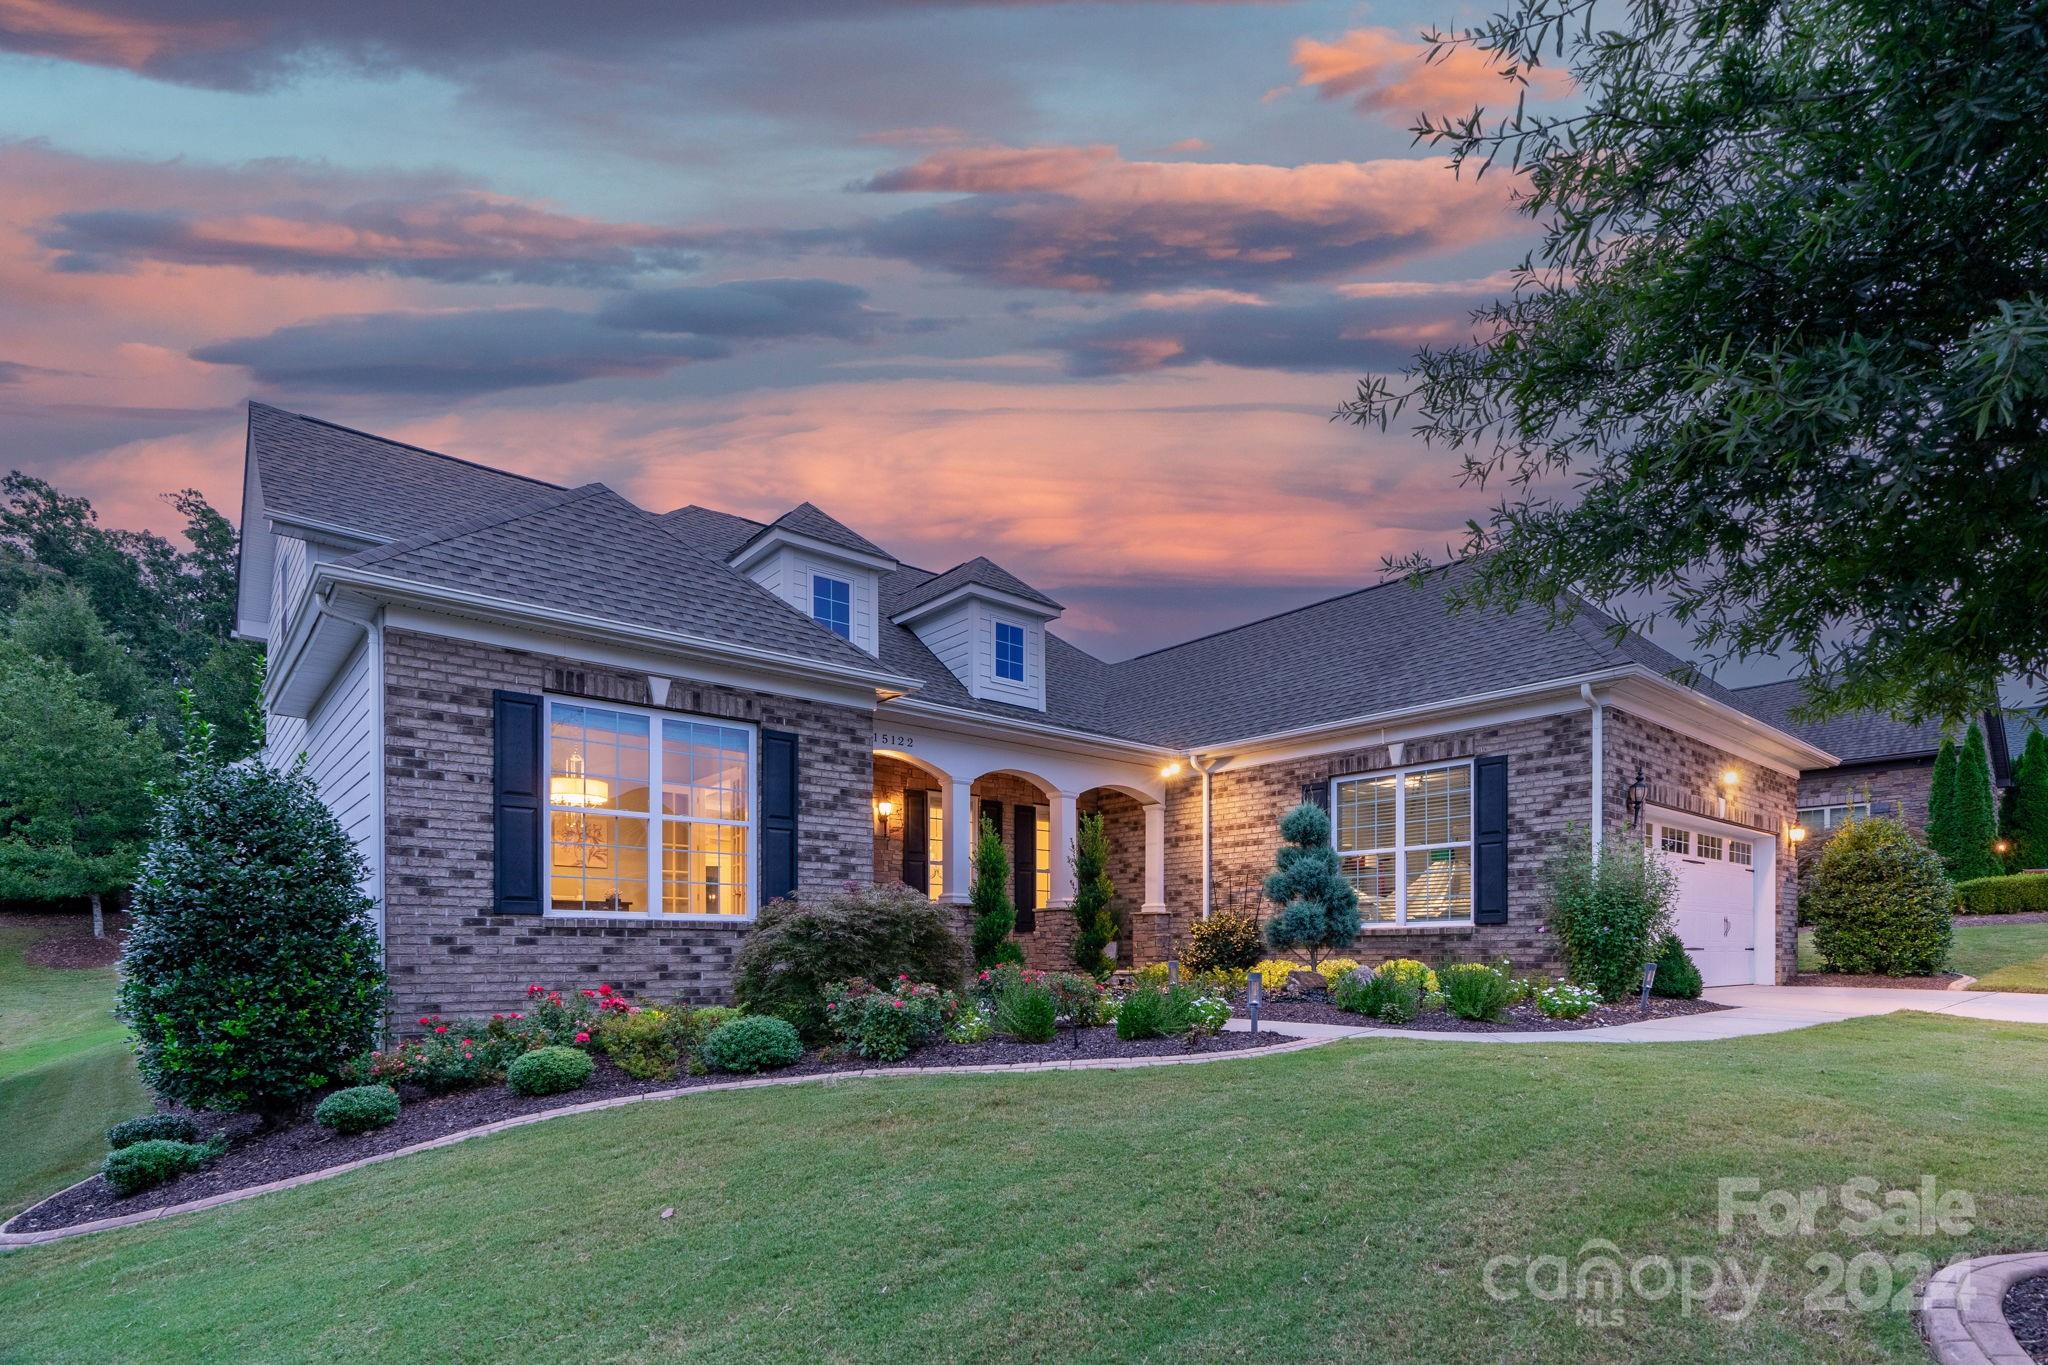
56, 622
1095, 923
1976, 822
74, 787
2026, 806
1941, 801
1318, 907
994, 914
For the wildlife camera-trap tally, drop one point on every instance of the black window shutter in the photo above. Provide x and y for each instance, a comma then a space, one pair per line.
1490, 840
917, 831
1315, 794
1024, 871
517, 765
778, 814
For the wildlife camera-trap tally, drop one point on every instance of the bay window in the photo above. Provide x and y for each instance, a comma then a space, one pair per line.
649, 814
1405, 841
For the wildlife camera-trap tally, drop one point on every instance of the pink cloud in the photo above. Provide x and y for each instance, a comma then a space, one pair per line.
55, 29
1380, 71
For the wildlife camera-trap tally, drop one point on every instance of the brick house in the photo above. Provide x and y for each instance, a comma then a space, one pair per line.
578, 740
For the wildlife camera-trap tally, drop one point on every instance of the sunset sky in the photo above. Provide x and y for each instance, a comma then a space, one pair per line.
1074, 286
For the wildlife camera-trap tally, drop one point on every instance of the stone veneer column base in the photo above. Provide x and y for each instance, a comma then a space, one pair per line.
1151, 937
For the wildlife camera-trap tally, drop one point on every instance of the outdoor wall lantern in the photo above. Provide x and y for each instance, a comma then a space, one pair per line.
1797, 834
1638, 794
883, 810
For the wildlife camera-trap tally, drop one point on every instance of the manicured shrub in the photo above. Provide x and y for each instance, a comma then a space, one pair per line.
1227, 940
2024, 819
753, 1043
1028, 1013
358, 1109
550, 1071
1678, 978
169, 1127
989, 894
690, 1027
1473, 990
1391, 999
1974, 853
641, 1043
1094, 909
885, 1025
1408, 970
1330, 968
2018, 894
251, 975
1609, 911
1879, 903
1563, 1000
145, 1165
1142, 1014
1318, 906
804, 943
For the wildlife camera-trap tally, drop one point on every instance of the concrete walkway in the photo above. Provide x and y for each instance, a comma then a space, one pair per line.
1755, 1010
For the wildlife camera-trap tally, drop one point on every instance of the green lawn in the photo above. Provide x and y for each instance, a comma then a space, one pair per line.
65, 1071
2003, 957
1336, 1203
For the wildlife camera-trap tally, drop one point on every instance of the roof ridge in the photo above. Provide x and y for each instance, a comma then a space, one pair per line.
1279, 615
402, 445
483, 521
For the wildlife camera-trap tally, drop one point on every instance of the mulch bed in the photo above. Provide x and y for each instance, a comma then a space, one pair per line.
1896, 983
256, 1158
2024, 917
68, 943
1519, 1018
2026, 1312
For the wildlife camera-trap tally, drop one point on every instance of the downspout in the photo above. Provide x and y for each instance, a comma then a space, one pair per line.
1207, 884
1599, 711
373, 624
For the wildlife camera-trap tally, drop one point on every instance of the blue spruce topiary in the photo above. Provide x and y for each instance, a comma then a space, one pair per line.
1318, 907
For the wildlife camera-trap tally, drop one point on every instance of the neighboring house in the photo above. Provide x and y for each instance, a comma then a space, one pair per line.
579, 740
1884, 766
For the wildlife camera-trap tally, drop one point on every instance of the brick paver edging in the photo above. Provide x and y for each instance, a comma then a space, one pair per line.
10, 1240
1962, 1314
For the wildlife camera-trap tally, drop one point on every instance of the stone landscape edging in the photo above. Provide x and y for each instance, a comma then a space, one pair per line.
1962, 1312
13, 1240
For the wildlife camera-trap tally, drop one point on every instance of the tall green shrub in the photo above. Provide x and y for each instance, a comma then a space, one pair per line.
2026, 806
1609, 911
1318, 907
251, 974
1941, 800
805, 942
1976, 820
994, 914
1879, 903
1095, 923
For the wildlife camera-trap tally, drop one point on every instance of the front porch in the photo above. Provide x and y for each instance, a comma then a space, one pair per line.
921, 840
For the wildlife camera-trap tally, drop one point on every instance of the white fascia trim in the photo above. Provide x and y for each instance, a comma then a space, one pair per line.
1694, 713
598, 628
1008, 601
775, 538
940, 716
326, 532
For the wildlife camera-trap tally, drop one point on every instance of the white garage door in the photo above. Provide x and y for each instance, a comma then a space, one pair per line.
1716, 900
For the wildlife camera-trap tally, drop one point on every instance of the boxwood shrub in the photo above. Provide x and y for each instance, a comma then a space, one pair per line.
1678, 977
550, 1071
2020, 894
755, 1043
172, 1127
358, 1109
145, 1165
1879, 903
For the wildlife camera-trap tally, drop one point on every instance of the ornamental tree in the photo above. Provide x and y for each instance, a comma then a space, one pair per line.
1976, 820
2026, 806
1779, 367
1318, 907
1095, 923
1941, 799
994, 914
251, 973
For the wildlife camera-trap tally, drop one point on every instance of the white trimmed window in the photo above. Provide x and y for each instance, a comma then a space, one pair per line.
1009, 652
1042, 871
1834, 817
832, 605
1405, 840
1710, 847
1741, 853
935, 843
613, 848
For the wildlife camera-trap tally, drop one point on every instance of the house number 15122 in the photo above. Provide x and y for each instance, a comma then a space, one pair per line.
885, 740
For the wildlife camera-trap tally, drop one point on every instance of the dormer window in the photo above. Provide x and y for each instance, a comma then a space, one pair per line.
832, 605
1009, 652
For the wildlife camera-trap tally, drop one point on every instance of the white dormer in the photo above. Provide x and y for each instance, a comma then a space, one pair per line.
988, 628
823, 570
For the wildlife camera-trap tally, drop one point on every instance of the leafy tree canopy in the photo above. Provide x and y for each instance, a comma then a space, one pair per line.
1780, 363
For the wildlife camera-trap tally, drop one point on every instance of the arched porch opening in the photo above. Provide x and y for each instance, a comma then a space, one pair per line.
909, 816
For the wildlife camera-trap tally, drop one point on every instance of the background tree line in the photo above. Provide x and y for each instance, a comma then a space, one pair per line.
114, 647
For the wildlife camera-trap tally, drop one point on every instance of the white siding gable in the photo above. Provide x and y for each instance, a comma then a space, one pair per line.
964, 639
788, 573
340, 743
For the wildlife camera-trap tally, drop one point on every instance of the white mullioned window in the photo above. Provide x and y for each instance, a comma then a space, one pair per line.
615, 847
1042, 872
1710, 847
1405, 840
1740, 851
935, 843
1676, 840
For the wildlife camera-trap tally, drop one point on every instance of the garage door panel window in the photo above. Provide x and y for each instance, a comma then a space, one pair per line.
1740, 853
1710, 846
1405, 840
1677, 841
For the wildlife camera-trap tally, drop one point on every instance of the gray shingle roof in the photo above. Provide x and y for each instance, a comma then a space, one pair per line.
382, 490
980, 571
1859, 737
589, 551
809, 519
717, 534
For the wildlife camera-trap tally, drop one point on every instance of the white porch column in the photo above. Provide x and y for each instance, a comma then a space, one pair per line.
1155, 858
1062, 823
962, 822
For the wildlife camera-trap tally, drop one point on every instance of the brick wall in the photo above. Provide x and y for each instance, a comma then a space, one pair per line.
1549, 787
1899, 790
1123, 820
446, 952
1694, 767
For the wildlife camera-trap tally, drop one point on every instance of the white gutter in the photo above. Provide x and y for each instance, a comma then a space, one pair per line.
981, 720
1599, 760
1205, 770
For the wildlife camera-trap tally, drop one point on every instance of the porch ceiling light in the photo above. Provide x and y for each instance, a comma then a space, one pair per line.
578, 790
